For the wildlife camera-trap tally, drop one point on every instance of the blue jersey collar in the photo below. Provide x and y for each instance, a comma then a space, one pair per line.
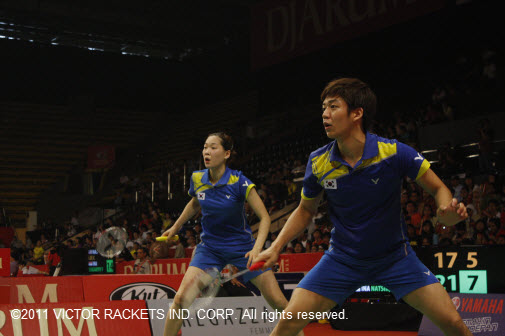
371, 150
222, 181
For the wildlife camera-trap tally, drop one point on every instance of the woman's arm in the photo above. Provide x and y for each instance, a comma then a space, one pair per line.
189, 212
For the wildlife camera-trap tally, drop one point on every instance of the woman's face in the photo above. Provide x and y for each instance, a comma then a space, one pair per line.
214, 154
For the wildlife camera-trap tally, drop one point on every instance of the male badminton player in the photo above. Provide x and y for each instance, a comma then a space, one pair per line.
362, 174
220, 193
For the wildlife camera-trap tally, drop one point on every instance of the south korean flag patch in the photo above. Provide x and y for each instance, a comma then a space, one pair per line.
330, 184
201, 196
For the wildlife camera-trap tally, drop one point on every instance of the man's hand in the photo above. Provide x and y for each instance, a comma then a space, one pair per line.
270, 256
452, 213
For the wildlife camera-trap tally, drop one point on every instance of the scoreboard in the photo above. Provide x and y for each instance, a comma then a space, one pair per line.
467, 269
100, 265
460, 269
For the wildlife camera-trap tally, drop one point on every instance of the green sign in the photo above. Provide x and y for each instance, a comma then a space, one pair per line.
473, 282
110, 265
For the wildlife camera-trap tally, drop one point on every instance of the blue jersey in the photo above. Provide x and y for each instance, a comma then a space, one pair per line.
224, 223
364, 201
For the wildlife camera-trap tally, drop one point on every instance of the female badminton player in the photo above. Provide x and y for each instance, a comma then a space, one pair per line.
361, 174
220, 192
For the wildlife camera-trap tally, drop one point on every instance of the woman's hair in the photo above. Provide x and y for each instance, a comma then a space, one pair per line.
227, 143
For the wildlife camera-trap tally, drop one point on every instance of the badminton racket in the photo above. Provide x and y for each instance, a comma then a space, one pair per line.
206, 286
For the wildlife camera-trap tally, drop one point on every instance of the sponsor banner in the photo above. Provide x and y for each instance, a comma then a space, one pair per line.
288, 282
41, 289
161, 266
284, 29
482, 314
7, 234
5, 262
130, 287
250, 315
101, 157
76, 319
298, 262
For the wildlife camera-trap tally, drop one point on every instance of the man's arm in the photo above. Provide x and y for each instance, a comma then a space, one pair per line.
296, 223
449, 211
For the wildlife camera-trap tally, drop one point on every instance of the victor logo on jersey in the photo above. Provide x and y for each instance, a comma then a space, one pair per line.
330, 184
418, 157
201, 196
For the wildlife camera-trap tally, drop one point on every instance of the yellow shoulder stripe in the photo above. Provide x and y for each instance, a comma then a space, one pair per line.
386, 150
233, 179
306, 198
423, 169
321, 164
197, 182
249, 188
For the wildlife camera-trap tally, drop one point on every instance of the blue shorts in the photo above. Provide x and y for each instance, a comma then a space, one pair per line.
207, 257
337, 279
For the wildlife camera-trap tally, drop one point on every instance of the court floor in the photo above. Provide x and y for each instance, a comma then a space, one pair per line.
316, 329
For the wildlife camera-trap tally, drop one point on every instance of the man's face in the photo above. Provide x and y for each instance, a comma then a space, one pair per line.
337, 121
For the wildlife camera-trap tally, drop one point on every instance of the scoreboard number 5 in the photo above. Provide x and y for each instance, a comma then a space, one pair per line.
471, 257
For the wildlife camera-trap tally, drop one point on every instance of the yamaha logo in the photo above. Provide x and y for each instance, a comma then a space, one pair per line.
457, 302
143, 291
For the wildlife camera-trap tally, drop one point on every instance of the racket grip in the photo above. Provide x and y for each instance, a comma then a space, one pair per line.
164, 238
256, 266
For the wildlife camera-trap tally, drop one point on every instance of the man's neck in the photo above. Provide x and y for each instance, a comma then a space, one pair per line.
352, 146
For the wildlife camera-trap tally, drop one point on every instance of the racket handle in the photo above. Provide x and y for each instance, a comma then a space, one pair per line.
164, 238
256, 266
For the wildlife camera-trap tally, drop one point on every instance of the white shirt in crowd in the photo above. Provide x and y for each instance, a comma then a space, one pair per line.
142, 267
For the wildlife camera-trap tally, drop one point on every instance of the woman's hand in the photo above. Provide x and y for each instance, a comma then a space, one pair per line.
252, 255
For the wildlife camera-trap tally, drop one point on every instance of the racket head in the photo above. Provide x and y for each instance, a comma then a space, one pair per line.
206, 286
112, 242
